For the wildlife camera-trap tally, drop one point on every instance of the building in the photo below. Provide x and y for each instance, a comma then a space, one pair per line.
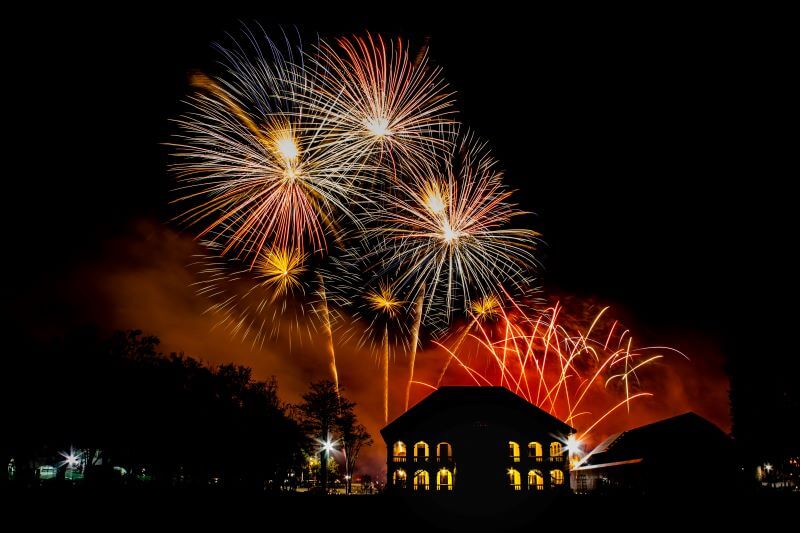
684, 453
476, 440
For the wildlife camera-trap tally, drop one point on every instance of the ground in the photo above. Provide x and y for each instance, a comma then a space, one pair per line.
226, 511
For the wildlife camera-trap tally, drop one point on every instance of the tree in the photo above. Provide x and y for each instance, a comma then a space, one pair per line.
119, 399
354, 437
322, 408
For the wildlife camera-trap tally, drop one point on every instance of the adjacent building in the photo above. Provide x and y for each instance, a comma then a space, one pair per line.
681, 454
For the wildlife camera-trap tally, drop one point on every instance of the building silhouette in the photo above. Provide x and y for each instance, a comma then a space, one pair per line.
660, 458
478, 441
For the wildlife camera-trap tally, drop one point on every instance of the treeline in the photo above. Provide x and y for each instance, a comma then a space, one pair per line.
131, 410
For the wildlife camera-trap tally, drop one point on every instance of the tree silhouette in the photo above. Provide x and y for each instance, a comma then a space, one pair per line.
354, 437
118, 402
329, 418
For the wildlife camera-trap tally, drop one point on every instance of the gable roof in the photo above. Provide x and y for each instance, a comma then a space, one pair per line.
670, 436
484, 403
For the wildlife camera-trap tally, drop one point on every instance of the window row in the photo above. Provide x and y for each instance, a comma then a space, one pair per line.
421, 451
444, 479
534, 450
535, 479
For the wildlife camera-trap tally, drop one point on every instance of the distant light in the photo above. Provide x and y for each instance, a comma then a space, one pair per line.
574, 445
70, 458
347, 476
378, 126
768, 467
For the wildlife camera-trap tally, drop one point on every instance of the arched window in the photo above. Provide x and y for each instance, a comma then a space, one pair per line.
555, 449
556, 478
535, 450
514, 479
535, 480
399, 452
513, 451
444, 451
421, 451
399, 478
421, 480
444, 480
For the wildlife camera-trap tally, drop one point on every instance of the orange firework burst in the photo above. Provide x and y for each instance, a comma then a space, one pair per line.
558, 365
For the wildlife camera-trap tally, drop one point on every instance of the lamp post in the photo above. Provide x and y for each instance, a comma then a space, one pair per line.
327, 447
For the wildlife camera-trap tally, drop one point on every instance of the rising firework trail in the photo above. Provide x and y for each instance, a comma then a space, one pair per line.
369, 307
385, 302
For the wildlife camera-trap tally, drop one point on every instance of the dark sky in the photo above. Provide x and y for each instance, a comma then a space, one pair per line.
653, 148
650, 147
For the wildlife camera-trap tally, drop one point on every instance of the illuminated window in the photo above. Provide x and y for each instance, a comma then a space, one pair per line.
535, 480
556, 477
421, 451
513, 451
444, 450
399, 478
444, 480
421, 480
399, 452
535, 450
514, 479
555, 449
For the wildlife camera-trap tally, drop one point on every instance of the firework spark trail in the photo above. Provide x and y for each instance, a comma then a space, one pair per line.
252, 303
483, 309
326, 322
567, 365
375, 103
385, 365
252, 166
445, 234
414, 342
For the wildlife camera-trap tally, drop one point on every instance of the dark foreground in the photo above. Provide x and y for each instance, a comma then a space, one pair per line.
225, 511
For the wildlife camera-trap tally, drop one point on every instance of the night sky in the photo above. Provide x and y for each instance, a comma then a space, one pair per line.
652, 151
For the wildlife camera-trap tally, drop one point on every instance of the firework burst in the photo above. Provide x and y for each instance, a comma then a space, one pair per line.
374, 101
446, 233
559, 364
250, 162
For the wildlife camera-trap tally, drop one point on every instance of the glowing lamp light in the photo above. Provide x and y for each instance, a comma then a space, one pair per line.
768, 467
378, 126
328, 446
71, 459
573, 444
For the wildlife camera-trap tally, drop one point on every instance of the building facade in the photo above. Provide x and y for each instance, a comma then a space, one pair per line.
478, 440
